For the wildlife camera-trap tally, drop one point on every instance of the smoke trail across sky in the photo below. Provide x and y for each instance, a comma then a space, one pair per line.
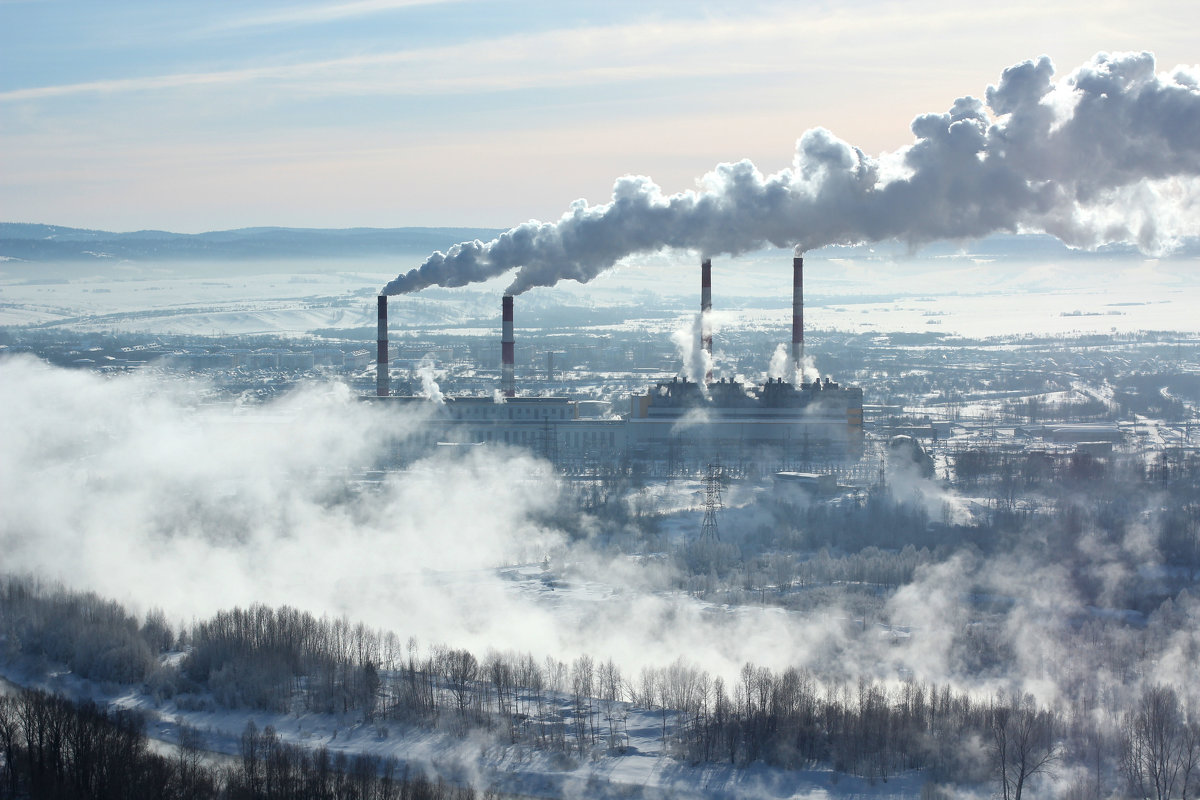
1110, 153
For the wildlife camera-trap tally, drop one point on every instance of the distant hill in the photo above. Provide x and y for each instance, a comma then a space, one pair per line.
33, 242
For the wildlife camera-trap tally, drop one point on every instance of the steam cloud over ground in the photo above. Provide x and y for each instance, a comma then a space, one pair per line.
147, 490
137, 488
1109, 153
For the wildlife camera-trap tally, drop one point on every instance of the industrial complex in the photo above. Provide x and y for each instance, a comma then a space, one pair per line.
677, 425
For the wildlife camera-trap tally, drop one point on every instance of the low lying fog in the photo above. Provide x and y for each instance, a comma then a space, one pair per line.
137, 488
149, 491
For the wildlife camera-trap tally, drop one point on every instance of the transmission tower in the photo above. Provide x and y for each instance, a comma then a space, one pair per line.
712, 504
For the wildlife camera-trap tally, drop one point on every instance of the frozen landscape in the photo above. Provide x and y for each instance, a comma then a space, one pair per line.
804, 404
491, 552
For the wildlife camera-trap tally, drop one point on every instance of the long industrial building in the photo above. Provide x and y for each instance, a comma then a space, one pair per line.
675, 426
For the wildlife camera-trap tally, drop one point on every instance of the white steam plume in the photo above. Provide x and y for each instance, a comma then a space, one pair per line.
780, 365
429, 385
1108, 154
697, 362
808, 372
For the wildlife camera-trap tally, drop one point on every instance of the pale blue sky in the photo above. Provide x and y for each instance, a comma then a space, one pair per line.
194, 116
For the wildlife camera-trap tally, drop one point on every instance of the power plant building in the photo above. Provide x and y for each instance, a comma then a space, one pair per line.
680, 425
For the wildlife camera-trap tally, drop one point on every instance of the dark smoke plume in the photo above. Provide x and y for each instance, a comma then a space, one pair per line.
1108, 154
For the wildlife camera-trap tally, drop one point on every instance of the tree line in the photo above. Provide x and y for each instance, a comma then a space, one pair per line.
288, 660
54, 749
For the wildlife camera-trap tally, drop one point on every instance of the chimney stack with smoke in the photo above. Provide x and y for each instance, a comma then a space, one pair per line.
705, 309
798, 315
507, 356
382, 385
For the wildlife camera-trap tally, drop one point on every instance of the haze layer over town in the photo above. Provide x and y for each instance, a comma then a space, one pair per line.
840, 442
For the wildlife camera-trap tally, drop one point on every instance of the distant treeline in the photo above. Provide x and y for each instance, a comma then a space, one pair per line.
289, 660
54, 749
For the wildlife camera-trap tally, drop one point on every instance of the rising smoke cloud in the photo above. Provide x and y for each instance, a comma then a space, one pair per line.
428, 374
695, 360
1108, 154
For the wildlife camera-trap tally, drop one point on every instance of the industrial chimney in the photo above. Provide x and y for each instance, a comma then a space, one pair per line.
798, 315
507, 356
705, 309
382, 385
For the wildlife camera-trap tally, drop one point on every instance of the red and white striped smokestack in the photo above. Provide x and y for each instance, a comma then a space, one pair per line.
382, 384
507, 355
705, 309
798, 314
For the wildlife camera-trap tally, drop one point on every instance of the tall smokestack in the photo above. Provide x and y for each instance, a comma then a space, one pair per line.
382, 385
705, 308
507, 356
797, 314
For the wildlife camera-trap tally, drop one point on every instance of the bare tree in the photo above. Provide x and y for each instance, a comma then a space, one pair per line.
609, 677
582, 690
10, 733
461, 670
252, 757
1160, 748
1023, 743
193, 777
